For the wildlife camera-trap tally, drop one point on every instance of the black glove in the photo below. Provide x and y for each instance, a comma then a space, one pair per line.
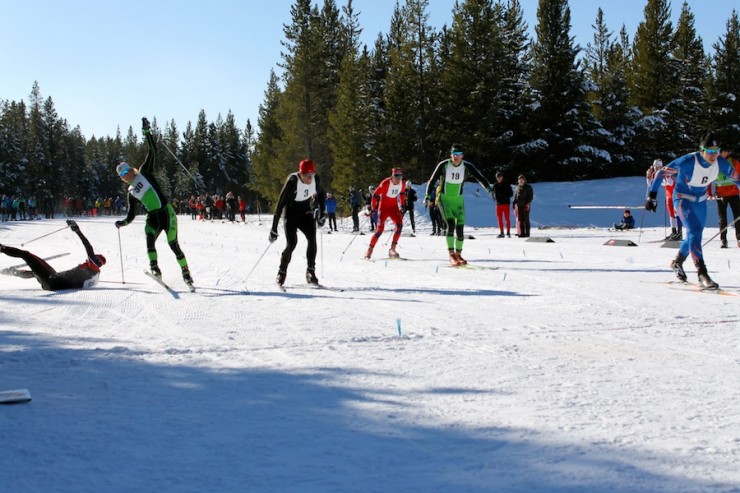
321, 220
120, 224
145, 124
651, 204
73, 225
273, 236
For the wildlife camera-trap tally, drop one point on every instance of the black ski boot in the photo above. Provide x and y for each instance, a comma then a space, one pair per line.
311, 277
280, 279
704, 279
186, 276
673, 233
677, 266
154, 269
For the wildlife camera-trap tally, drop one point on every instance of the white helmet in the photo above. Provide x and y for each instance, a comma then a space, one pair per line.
657, 163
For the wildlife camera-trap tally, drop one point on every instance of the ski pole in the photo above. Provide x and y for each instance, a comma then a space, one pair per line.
642, 220
43, 236
316, 214
258, 261
198, 181
721, 231
120, 254
354, 237
639, 237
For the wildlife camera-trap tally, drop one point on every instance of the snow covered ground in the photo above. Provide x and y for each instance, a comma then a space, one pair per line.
553, 367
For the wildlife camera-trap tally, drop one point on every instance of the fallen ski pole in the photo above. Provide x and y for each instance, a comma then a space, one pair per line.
721, 231
43, 236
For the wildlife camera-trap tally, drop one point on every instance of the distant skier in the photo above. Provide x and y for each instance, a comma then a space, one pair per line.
670, 185
693, 174
302, 200
410, 204
331, 211
389, 201
85, 275
727, 196
451, 175
144, 189
355, 202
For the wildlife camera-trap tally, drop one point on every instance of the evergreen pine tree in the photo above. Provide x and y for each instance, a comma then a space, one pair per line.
514, 94
471, 76
653, 80
686, 107
561, 126
409, 87
268, 172
724, 101
349, 121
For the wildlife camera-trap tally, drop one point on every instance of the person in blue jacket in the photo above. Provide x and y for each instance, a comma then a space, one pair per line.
627, 222
693, 174
331, 210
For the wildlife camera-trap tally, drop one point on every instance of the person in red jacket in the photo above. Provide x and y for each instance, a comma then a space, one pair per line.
727, 195
389, 200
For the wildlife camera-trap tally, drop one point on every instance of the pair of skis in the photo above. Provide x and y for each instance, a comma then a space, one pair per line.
284, 288
698, 288
158, 280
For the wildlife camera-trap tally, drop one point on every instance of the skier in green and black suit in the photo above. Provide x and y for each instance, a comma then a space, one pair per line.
449, 178
144, 189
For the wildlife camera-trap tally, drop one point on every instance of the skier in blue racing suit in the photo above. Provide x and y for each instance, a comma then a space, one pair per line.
693, 173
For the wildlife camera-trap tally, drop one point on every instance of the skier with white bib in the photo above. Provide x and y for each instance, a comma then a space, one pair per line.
388, 202
449, 179
160, 215
302, 199
693, 174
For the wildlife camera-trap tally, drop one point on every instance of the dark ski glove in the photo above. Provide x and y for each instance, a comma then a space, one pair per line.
273, 235
120, 224
145, 124
73, 225
651, 204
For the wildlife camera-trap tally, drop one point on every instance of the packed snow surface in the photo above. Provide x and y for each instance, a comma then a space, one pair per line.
562, 366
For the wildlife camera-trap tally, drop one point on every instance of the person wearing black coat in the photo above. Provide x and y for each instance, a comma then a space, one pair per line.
502, 194
523, 197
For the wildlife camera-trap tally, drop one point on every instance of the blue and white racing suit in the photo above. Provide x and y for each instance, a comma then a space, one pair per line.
693, 175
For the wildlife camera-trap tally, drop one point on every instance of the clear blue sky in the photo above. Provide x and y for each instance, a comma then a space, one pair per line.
107, 64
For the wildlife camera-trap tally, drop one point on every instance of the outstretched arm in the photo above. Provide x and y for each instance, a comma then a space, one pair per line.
88, 247
475, 173
151, 157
